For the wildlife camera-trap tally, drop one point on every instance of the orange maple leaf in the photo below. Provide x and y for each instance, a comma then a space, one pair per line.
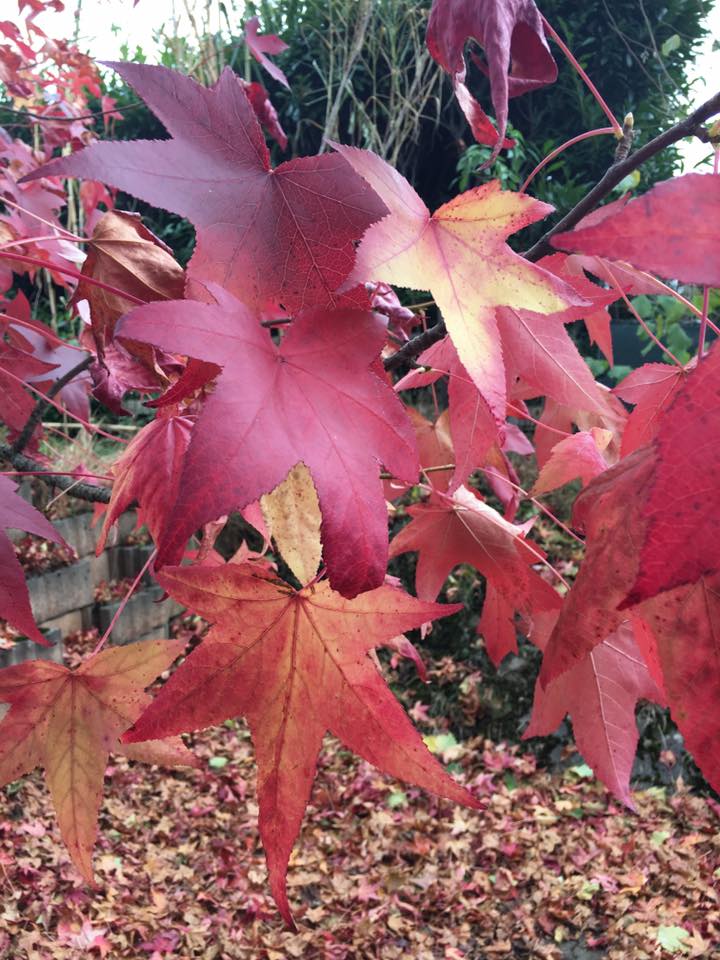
296, 664
70, 721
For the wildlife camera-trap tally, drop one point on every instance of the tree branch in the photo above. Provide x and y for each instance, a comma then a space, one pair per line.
83, 491
415, 347
690, 126
42, 405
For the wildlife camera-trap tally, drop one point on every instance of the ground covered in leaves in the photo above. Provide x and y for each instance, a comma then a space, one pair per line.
550, 867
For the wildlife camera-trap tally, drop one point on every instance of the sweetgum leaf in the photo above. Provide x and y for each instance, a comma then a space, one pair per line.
122, 252
632, 537
315, 399
292, 514
608, 511
668, 230
149, 472
266, 113
600, 693
686, 625
681, 544
459, 253
473, 428
18, 514
651, 388
269, 236
296, 665
463, 529
70, 721
260, 44
518, 56
577, 456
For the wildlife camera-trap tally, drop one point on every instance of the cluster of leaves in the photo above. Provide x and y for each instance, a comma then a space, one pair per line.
272, 356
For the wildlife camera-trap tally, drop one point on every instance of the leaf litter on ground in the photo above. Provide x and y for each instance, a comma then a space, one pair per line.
549, 863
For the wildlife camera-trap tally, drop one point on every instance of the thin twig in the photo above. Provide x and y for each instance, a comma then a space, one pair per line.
83, 116
68, 271
123, 603
44, 403
83, 491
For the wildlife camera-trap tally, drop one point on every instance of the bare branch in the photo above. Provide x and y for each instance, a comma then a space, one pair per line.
83, 491
415, 347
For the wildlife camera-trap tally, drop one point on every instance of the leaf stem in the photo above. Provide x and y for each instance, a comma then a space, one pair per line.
563, 146
706, 288
44, 331
521, 415
541, 506
36, 216
54, 267
617, 128
618, 286
123, 603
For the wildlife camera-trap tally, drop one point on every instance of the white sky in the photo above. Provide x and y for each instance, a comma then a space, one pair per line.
106, 24
706, 81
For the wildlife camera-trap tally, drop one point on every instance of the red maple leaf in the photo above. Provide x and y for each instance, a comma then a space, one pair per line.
686, 625
296, 665
269, 236
577, 456
636, 548
315, 399
460, 254
518, 56
600, 693
651, 388
667, 230
149, 472
260, 44
448, 531
681, 544
70, 721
